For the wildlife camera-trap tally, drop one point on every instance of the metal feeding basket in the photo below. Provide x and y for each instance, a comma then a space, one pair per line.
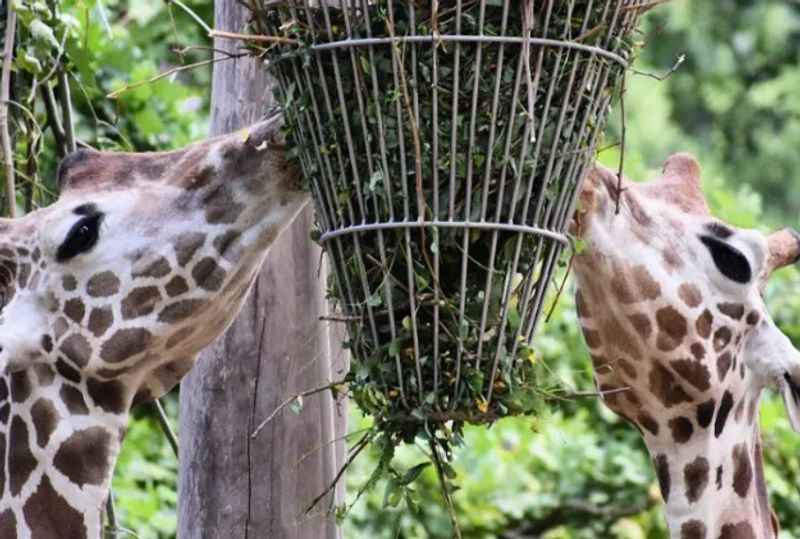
444, 144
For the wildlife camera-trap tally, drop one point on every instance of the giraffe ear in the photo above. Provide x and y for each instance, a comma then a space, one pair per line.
784, 250
679, 184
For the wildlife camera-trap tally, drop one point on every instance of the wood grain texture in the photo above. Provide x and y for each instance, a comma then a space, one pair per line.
232, 486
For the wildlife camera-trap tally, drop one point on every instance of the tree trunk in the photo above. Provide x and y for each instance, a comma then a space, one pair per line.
232, 485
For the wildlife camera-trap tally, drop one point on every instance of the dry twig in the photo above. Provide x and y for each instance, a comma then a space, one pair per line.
5, 96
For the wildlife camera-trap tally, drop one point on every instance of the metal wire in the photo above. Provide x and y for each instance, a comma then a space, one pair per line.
388, 193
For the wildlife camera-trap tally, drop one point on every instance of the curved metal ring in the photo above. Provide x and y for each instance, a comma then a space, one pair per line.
365, 42
508, 227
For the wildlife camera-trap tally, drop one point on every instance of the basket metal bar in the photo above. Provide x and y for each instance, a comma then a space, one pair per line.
508, 292
384, 265
556, 137
329, 109
435, 194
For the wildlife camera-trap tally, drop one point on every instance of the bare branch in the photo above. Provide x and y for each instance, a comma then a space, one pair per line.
5, 96
247, 37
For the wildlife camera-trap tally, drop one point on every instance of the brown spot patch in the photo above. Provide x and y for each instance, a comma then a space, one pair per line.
580, 305
224, 242
648, 423
753, 318
628, 369
176, 286
74, 309
690, 294
44, 374
671, 258
672, 328
621, 289
187, 244
3, 390
664, 386
110, 396
704, 323
60, 327
20, 458
100, 319
45, 416
698, 351
208, 275
84, 456
140, 302
742, 470
73, 400
723, 365
694, 372
742, 530
50, 516
732, 310
67, 371
662, 472
695, 474
693, 529
641, 323
649, 289
722, 337
592, 337
180, 310
8, 522
681, 428
617, 337
705, 413
221, 207
102, 285
47, 343
125, 343
20, 386
77, 349
725, 406
156, 268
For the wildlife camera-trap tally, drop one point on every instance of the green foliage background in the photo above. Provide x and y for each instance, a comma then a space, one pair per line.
577, 472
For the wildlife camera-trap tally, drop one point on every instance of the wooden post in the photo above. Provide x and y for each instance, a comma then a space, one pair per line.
231, 485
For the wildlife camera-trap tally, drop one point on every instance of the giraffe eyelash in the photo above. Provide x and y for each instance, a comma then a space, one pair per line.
729, 260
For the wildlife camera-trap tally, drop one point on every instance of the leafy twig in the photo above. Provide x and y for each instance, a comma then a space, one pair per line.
361, 444
678, 63
623, 132
116, 93
292, 399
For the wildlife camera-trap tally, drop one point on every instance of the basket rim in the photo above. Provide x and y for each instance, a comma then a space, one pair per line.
480, 225
453, 38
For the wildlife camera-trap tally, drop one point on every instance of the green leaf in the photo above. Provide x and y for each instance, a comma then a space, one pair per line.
43, 33
412, 473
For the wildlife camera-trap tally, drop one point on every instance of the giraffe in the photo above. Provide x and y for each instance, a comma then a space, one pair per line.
669, 301
107, 297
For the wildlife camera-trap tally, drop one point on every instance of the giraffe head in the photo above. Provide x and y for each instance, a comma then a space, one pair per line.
142, 261
108, 295
670, 302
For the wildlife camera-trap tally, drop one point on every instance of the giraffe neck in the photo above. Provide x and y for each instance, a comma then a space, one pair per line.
59, 441
714, 487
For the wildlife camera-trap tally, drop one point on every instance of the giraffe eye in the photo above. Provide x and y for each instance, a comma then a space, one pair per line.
729, 260
80, 238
